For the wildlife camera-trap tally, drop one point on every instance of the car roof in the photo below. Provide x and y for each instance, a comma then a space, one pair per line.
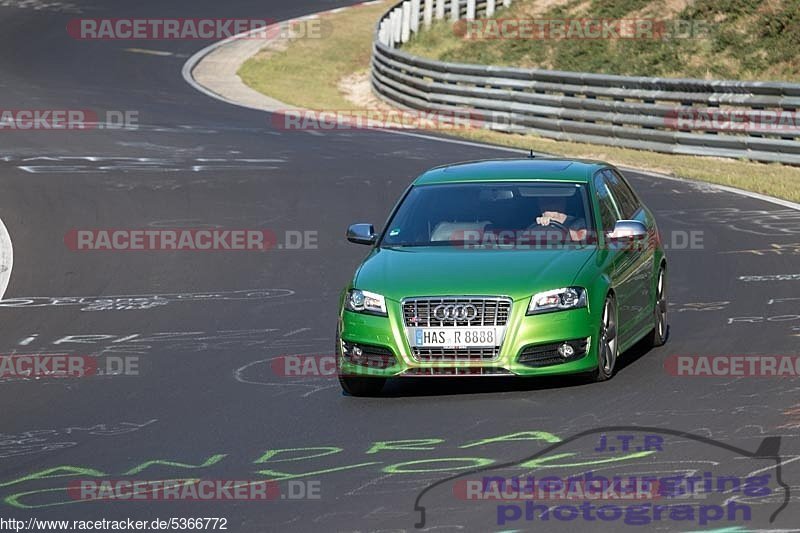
518, 169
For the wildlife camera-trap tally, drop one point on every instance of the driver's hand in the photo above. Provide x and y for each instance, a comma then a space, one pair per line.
547, 216
555, 215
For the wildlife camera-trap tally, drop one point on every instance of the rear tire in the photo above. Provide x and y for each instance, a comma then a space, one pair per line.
358, 386
607, 344
658, 336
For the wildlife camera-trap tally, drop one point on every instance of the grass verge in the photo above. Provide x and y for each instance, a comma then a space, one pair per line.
308, 73
714, 39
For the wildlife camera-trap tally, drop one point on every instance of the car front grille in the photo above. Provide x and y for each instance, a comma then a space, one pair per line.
459, 354
489, 311
418, 312
541, 355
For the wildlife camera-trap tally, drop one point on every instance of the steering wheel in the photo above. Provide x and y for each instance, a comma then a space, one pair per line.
559, 225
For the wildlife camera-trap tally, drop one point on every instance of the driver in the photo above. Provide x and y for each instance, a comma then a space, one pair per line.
556, 212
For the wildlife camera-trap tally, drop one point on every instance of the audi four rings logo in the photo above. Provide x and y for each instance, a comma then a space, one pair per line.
455, 312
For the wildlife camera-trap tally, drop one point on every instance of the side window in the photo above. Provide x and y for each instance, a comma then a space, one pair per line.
609, 214
626, 200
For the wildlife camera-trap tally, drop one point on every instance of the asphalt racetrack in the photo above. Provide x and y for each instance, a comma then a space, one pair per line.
207, 402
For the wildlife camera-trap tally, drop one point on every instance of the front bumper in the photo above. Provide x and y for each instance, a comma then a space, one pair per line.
387, 352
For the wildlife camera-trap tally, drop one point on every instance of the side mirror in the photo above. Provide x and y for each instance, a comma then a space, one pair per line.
361, 234
628, 230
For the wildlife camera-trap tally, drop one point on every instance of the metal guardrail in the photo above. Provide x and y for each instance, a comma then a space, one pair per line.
677, 116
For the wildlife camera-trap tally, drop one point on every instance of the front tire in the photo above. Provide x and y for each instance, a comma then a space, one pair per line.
607, 345
359, 386
658, 336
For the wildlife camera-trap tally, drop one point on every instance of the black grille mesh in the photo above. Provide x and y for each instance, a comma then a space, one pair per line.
547, 354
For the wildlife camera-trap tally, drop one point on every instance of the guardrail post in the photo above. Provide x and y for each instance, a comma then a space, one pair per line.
382, 35
471, 9
427, 16
414, 25
491, 6
440, 9
397, 26
405, 33
454, 10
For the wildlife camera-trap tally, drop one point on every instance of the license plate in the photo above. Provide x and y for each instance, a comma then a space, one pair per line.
478, 337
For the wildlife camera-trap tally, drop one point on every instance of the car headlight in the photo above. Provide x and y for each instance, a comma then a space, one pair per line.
365, 302
557, 300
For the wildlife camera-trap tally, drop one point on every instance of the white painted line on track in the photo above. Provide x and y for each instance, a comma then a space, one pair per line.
6, 258
148, 51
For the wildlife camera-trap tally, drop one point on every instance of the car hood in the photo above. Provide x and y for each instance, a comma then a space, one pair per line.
398, 273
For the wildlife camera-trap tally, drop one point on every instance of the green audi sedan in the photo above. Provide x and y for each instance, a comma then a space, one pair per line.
513, 267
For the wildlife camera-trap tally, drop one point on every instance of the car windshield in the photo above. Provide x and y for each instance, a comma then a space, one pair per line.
492, 214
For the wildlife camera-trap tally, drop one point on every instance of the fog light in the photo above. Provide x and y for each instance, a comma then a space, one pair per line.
566, 350
353, 352
367, 355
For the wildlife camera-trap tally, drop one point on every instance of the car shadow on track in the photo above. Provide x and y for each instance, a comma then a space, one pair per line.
636, 352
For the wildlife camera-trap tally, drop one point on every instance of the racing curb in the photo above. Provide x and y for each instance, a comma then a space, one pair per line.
213, 69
